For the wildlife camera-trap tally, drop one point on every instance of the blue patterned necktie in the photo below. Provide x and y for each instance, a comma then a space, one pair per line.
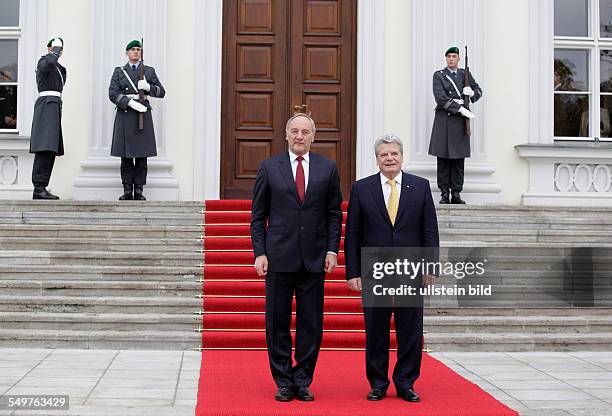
133, 67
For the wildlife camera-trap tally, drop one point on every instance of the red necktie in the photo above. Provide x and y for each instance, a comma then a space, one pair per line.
300, 183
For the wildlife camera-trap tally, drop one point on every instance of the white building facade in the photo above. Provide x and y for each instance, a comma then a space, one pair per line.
522, 152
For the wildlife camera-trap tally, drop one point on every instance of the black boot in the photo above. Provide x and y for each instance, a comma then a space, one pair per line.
444, 196
40, 192
456, 198
127, 193
138, 196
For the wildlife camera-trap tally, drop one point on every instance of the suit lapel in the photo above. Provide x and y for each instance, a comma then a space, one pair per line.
284, 165
314, 170
379, 199
404, 197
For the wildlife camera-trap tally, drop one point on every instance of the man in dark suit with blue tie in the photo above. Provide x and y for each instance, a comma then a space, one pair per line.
296, 227
390, 209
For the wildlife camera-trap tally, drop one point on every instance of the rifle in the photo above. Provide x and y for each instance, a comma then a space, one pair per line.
466, 99
141, 76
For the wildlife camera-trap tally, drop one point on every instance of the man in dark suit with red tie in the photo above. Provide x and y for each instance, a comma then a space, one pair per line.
296, 227
390, 209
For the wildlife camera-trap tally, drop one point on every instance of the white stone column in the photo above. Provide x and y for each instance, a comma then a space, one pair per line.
207, 129
370, 83
436, 25
114, 23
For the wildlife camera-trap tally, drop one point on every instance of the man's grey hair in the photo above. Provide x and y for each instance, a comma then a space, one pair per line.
388, 139
312, 123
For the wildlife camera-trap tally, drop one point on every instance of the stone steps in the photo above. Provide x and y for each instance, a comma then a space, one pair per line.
100, 218
99, 322
100, 258
108, 273
77, 288
103, 339
100, 206
101, 304
98, 231
514, 342
100, 244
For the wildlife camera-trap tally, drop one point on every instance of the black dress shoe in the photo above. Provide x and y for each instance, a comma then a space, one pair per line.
138, 196
127, 193
444, 196
42, 193
284, 394
304, 394
456, 198
409, 395
376, 395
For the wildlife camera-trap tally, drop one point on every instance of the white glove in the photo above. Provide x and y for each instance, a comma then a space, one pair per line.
466, 113
137, 106
57, 42
468, 91
458, 101
144, 85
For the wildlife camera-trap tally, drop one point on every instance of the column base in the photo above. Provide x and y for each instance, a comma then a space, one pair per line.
101, 180
478, 188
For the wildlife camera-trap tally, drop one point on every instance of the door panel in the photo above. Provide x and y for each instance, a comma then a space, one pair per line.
278, 54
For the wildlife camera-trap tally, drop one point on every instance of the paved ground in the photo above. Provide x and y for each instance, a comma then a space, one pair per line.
160, 383
104, 382
541, 383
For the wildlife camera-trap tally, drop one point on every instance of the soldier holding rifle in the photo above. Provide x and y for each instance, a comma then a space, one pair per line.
133, 134
453, 90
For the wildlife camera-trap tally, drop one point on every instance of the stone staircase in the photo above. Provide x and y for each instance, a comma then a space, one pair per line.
83, 274
537, 241
80, 274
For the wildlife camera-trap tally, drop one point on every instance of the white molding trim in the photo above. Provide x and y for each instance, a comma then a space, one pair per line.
207, 129
436, 25
112, 27
370, 83
541, 56
544, 161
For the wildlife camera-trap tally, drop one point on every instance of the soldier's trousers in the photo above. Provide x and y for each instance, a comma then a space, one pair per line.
450, 174
134, 171
42, 167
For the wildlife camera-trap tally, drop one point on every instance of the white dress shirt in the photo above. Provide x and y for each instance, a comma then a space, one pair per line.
386, 188
305, 165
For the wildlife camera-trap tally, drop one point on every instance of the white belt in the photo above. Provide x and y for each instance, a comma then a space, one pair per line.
50, 94
133, 96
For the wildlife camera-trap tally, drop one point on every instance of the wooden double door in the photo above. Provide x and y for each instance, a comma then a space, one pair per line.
282, 57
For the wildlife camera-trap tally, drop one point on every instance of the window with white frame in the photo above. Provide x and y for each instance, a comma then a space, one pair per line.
9, 45
583, 70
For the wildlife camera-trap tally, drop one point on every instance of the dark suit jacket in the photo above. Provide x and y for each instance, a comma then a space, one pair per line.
368, 223
288, 232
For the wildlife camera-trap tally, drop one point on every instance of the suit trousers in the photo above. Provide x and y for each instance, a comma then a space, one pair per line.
134, 171
308, 289
42, 168
450, 174
409, 333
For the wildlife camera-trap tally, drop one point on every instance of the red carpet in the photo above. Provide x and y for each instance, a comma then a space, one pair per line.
234, 381
238, 383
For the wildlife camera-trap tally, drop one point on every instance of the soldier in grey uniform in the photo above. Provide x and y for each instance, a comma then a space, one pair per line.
449, 142
46, 140
132, 145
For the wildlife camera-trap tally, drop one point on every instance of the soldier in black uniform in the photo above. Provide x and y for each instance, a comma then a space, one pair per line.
132, 145
449, 143
46, 140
